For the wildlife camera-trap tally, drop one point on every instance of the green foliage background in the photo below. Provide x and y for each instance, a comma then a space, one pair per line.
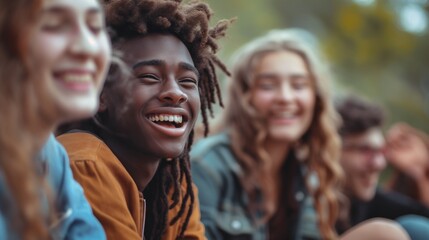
371, 54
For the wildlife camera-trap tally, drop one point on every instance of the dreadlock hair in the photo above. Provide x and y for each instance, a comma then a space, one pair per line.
190, 23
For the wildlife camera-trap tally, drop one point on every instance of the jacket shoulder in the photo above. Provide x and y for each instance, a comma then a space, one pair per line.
213, 150
82, 146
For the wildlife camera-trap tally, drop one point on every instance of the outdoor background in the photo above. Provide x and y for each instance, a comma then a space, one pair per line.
378, 48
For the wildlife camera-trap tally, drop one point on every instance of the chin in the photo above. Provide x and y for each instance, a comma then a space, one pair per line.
366, 197
171, 156
286, 135
173, 153
82, 114
284, 138
84, 109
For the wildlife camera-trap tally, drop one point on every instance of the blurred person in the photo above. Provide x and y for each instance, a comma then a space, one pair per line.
408, 153
273, 171
53, 58
132, 157
363, 159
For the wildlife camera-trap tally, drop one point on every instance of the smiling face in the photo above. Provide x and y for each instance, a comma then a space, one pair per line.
163, 100
283, 93
70, 48
363, 159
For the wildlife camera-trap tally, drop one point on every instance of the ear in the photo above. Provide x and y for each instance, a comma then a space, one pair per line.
103, 102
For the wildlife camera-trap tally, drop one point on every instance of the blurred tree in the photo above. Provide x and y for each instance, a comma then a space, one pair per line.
367, 42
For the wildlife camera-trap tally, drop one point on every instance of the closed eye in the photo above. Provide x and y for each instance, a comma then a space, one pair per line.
148, 78
95, 21
300, 85
189, 82
54, 23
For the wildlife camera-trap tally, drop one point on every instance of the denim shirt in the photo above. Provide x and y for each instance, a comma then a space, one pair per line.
223, 201
76, 220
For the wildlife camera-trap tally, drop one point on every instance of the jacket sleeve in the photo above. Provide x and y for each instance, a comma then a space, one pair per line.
392, 205
75, 217
209, 196
107, 200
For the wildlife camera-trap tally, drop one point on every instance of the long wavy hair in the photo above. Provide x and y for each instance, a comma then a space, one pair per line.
190, 23
248, 137
26, 118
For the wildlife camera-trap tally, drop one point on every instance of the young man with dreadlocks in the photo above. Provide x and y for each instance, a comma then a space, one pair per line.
132, 157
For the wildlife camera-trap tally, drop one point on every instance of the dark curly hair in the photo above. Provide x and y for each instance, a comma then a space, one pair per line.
358, 115
190, 23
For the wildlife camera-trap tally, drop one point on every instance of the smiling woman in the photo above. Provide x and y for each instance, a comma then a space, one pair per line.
45, 47
72, 53
133, 158
277, 159
274, 172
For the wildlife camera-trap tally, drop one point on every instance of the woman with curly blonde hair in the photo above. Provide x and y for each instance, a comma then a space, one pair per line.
273, 173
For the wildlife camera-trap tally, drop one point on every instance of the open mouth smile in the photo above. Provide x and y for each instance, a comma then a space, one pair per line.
173, 125
168, 120
75, 81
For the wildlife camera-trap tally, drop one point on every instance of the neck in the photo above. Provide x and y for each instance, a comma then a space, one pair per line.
277, 151
43, 134
139, 165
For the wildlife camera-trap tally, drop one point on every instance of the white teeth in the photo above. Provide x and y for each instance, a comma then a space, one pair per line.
166, 118
77, 78
285, 114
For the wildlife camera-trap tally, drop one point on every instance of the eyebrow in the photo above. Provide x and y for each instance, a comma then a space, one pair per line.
266, 75
156, 62
274, 75
189, 67
60, 9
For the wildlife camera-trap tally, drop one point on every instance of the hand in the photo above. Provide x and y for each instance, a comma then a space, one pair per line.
407, 151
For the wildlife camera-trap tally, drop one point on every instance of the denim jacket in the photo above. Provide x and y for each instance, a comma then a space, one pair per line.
75, 220
223, 202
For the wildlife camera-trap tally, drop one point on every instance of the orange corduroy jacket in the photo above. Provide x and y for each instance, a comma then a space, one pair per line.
113, 194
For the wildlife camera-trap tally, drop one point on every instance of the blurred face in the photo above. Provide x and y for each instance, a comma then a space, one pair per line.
362, 160
164, 98
283, 93
71, 50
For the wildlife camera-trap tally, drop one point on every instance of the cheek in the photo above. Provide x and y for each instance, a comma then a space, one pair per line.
139, 96
348, 164
47, 49
261, 101
308, 100
195, 102
105, 53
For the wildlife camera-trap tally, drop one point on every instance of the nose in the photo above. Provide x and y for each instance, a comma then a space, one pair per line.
285, 92
172, 93
84, 42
